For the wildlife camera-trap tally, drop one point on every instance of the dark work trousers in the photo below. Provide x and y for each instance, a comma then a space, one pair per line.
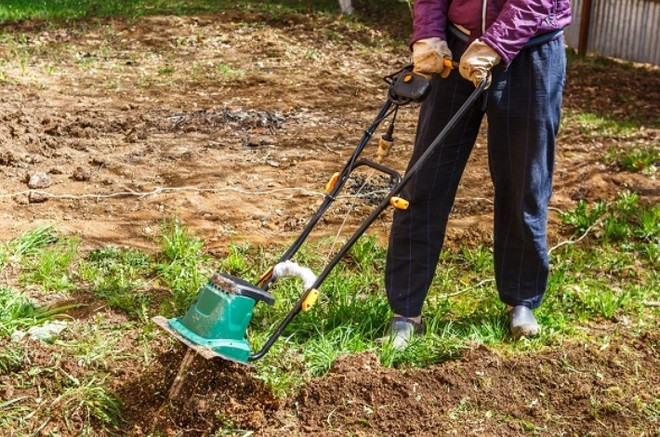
522, 106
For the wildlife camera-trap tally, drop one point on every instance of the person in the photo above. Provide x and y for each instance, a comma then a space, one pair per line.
517, 47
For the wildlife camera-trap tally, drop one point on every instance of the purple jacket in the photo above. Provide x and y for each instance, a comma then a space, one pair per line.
507, 27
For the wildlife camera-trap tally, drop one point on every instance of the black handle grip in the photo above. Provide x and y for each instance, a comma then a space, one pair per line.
410, 86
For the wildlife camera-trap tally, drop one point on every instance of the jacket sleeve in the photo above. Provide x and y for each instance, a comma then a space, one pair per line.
517, 22
429, 19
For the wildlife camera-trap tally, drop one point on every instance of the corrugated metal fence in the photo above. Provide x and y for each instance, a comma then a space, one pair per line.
625, 29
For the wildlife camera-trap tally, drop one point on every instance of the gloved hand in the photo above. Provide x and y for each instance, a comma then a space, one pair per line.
428, 55
477, 61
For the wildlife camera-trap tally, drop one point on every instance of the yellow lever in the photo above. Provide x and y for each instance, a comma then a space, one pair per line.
332, 182
311, 299
399, 203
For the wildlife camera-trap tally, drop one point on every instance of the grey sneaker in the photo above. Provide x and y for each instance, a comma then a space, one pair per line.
522, 322
402, 329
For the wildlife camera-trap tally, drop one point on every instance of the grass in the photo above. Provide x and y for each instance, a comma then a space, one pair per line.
51, 267
18, 312
643, 159
119, 276
391, 17
608, 274
27, 244
15, 10
226, 70
613, 272
166, 70
16, 309
600, 126
624, 220
85, 400
177, 266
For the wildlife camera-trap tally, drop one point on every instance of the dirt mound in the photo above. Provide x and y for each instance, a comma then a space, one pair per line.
210, 395
589, 389
585, 387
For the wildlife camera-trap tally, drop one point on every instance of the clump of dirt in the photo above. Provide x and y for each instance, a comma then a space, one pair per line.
212, 394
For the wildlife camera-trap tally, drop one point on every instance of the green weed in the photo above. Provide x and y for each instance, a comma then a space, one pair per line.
97, 347
51, 267
624, 219
178, 266
366, 253
650, 408
332, 36
616, 270
226, 70
441, 343
236, 262
600, 126
17, 312
87, 400
11, 359
166, 70
118, 276
583, 216
11, 411
27, 244
644, 160
282, 376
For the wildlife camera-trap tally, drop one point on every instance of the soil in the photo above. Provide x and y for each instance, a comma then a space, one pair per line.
572, 388
233, 124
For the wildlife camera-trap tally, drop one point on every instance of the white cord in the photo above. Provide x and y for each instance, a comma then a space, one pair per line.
289, 268
583, 236
160, 190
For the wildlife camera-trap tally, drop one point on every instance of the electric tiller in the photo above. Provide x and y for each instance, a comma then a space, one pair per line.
216, 324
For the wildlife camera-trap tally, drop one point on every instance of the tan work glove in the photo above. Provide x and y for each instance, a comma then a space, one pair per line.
477, 61
428, 56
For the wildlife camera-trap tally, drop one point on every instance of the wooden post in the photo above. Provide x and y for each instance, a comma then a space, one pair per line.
585, 25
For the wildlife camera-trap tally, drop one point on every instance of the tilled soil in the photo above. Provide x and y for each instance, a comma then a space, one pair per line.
573, 388
233, 123
236, 128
